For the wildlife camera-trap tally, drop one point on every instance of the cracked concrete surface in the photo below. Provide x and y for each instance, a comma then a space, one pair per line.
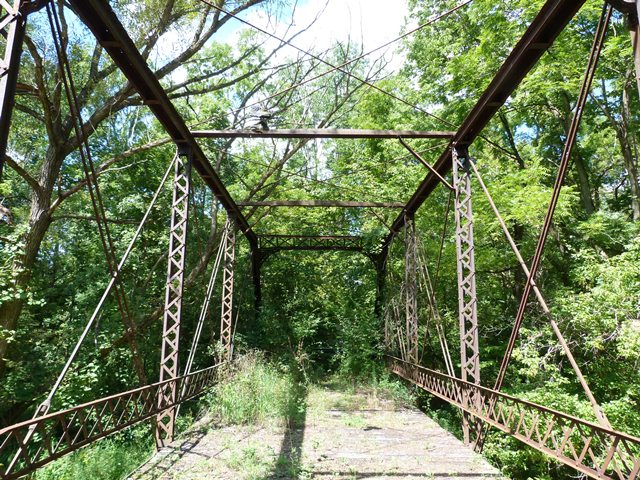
352, 435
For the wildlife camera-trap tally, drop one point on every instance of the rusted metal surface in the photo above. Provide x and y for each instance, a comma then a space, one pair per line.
426, 164
321, 203
93, 187
13, 24
110, 33
466, 269
591, 449
537, 39
60, 433
598, 43
310, 242
411, 288
226, 310
320, 133
169, 358
597, 409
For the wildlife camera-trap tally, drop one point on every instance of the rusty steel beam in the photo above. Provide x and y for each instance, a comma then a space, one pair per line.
13, 28
537, 39
593, 450
411, 287
226, 308
60, 433
466, 269
321, 203
100, 18
172, 319
320, 133
269, 243
256, 276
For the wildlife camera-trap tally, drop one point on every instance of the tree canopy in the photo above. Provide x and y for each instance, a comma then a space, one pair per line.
318, 309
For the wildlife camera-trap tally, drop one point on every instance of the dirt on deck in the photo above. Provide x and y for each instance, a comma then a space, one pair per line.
354, 435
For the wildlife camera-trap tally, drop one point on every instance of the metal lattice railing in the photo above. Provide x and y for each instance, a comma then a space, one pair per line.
57, 434
587, 447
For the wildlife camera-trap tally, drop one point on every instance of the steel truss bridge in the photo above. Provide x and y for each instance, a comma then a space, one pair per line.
593, 449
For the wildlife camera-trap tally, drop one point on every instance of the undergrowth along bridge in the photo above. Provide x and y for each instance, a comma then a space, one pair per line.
595, 450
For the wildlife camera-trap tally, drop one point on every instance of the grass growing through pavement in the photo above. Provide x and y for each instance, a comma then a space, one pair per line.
256, 393
259, 393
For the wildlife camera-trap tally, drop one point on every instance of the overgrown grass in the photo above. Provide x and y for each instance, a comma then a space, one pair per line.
255, 392
109, 459
383, 385
259, 393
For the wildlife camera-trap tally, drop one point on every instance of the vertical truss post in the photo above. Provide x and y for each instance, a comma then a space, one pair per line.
226, 312
380, 262
256, 264
633, 17
467, 299
169, 367
411, 287
14, 24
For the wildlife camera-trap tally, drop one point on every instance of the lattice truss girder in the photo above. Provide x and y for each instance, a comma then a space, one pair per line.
303, 242
395, 325
10, 22
12, 28
226, 313
169, 367
411, 288
467, 299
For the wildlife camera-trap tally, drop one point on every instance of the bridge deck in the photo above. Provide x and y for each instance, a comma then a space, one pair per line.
344, 436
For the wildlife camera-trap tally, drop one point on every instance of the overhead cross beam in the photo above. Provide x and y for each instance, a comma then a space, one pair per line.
310, 242
537, 39
320, 133
112, 36
321, 203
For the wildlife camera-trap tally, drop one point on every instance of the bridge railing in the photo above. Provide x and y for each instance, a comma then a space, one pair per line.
587, 447
29, 445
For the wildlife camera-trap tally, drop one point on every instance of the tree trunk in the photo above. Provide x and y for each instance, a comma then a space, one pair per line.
39, 221
584, 183
630, 161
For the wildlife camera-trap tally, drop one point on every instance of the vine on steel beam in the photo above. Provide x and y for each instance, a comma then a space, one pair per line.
226, 311
411, 288
169, 368
467, 299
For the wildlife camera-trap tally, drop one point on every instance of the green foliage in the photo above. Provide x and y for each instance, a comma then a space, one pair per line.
257, 392
109, 459
317, 317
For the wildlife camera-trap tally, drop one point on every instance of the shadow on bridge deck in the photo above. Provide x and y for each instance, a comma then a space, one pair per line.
335, 435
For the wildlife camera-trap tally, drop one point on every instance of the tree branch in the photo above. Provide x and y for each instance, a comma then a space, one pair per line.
26, 176
103, 168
